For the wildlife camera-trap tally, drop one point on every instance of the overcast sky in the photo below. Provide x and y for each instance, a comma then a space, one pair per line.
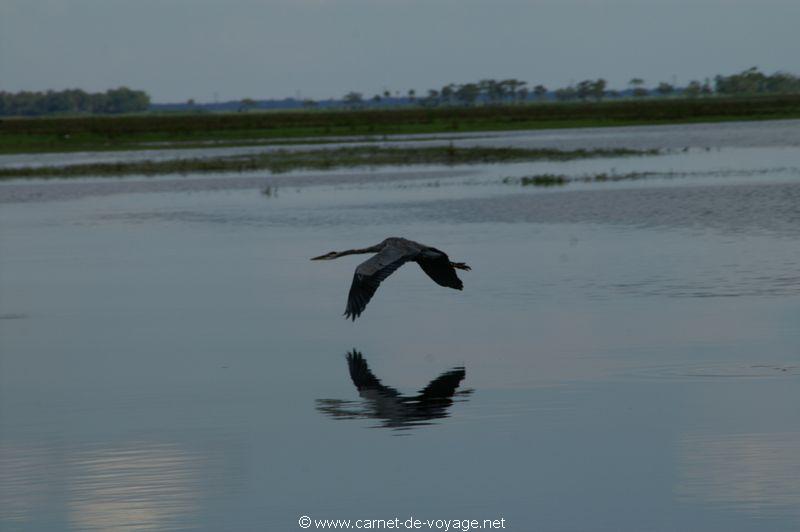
231, 49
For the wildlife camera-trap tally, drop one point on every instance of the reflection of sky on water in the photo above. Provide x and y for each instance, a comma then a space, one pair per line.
128, 486
755, 472
137, 487
24, 474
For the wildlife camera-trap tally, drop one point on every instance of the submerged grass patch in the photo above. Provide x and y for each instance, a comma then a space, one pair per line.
552, 180
322, 159
544, 180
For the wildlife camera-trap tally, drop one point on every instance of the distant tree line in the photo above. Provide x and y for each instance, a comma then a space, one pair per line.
483, 92
751, 81
71, 101
511, 91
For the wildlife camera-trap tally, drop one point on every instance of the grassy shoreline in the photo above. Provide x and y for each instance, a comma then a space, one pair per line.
158, 131
284, 161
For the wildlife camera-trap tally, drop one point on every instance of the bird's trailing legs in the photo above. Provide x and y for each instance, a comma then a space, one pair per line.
460, 266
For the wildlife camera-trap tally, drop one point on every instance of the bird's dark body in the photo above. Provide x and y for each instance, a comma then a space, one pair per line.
390, 255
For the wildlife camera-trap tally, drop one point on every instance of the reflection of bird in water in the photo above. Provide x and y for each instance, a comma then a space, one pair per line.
388, 405
391, 254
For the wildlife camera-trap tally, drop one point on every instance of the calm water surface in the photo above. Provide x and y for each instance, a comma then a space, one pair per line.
625, 356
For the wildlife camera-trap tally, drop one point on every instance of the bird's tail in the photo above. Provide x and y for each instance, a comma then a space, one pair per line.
460, 266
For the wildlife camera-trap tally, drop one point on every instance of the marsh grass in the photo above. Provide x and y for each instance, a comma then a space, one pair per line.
154, 131
544, 180
322, 159
553, 180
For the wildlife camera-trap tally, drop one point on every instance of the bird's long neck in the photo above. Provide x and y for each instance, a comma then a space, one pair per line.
371, 249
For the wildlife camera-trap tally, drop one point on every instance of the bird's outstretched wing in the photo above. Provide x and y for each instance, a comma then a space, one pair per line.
369, 275
444, 385
363, 378
437, 265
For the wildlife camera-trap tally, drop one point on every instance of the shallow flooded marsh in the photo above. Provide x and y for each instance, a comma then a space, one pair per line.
625, 354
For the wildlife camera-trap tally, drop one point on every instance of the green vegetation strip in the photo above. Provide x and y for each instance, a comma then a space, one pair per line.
284, 161
152, 131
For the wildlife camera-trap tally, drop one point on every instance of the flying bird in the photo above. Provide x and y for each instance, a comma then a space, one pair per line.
391, 254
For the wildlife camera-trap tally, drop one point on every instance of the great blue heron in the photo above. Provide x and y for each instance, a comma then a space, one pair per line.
391, 254
395, 410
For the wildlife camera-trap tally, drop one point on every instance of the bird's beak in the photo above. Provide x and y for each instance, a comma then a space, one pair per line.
326, 256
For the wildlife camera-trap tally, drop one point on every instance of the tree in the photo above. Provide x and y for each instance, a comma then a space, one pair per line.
412, 95
566, 94
510, 88
637, 85
749, 81
353, 99
246, 104
693, 89
752, 81
584, 89
540, 91
125, 100
447, 93
120, 100
782, 82
468, 93
432, 99
492, 90
665, 89
599, 89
